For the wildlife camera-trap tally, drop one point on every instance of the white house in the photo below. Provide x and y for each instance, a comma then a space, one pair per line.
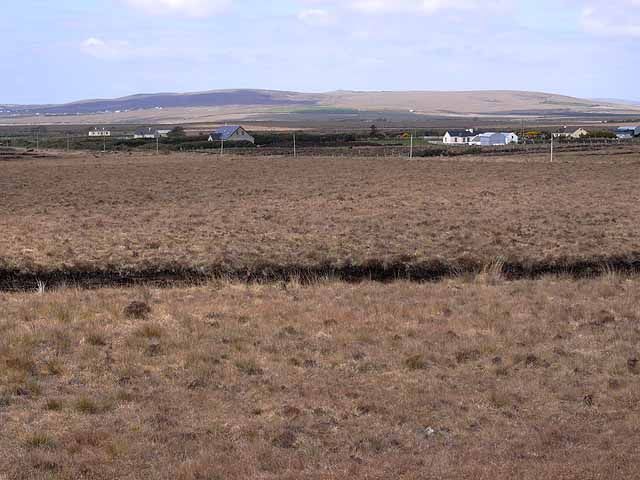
458, 137
567, 132
628, 132
231, 133
99, 132
494, 138
150, 132
510, 137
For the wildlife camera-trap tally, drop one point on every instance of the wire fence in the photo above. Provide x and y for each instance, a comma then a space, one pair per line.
394, 148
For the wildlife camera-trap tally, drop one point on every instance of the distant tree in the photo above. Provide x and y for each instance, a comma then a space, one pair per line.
177, 132
373, 132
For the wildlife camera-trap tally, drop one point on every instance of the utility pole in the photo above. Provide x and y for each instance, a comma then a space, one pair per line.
104, 144
411, 148
68, 142
552, 148
37, 140
221, 146
157, 144
295, 153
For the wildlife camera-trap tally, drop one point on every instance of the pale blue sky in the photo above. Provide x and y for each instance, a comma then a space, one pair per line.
57, 51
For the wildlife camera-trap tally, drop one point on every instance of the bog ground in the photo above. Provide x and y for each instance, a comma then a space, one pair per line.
135, 212
479, 379
473, 377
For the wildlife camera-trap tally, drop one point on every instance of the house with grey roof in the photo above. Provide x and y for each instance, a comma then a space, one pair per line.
231, 133
458, 137
628, 132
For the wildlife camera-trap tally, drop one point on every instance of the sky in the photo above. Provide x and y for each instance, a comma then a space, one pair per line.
56, 51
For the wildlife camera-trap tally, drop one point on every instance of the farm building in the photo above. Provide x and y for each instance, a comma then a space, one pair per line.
494, 138
628, 132
99, 132
231, 133
150, 132
458, 136
568, 132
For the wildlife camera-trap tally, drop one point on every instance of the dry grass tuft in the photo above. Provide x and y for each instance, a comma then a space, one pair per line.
416, 362
137, 310
40, 440
88, 406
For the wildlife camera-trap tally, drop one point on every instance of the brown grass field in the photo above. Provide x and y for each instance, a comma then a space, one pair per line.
132, 212
470, 378
473, 377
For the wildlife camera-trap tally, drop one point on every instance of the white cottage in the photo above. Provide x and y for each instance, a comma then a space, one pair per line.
99, 132
568, 132
458, 137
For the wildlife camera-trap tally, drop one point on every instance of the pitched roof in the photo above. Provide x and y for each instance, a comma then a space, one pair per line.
145, 131
460, 133
226, 132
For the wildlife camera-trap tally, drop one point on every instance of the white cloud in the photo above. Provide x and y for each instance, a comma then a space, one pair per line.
191, 8
106, 50
615, 19
420, 7
316, 16
123, 50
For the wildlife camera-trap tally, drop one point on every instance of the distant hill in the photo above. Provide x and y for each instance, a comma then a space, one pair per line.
218, 98
618, 101
239, 104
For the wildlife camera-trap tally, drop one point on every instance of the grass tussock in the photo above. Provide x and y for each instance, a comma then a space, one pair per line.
40, 440
325, 381
137, 310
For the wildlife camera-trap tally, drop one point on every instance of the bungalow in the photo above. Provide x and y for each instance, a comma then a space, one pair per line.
99, 132
458, 136
151, 133
231, 133
628, 132
567, 132
494, 138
